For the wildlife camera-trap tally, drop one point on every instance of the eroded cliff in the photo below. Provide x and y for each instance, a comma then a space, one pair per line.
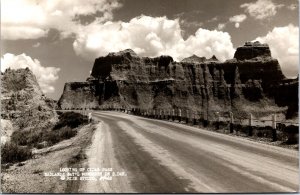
23, 102
245, 83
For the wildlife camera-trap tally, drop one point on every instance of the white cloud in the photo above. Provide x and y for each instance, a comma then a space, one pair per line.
221, 26
151, 36
36, 45
292, 7
284, 45
28, 19
45, 75
187, 23
216, 18
261, 9
238, 19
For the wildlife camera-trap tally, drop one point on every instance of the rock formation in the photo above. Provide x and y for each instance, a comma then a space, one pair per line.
124, 79
23, 104
252, 50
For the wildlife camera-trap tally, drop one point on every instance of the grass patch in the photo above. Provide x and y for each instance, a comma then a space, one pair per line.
19, 149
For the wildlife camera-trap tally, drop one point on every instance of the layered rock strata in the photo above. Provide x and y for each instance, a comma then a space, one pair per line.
23, 102
250, 81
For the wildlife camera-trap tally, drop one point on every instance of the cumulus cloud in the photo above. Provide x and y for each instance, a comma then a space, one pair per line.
151, 36
284, 45
148, 36
46, 76
238, 19
27, 19
261, 9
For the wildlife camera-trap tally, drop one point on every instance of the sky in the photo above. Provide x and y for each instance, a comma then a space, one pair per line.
60, 39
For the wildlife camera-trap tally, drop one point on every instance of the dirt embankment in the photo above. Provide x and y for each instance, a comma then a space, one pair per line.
28, 176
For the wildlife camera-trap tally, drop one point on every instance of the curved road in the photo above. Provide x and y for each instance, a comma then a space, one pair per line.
165, 157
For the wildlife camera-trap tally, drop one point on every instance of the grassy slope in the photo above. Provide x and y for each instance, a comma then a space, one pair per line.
29, 178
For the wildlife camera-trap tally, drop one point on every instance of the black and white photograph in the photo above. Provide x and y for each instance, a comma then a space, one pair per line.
149, 96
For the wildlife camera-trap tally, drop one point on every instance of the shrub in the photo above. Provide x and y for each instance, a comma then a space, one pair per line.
53, 137
11, 152
66, 133
71, 119
20, 137
27, 137
59, 112
61, 131
292, 133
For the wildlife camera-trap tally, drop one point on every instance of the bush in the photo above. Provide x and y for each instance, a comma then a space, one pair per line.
66, 133
11, 153
71, 119
59, 112
20, 137
61, 131
292, 133
27, 137
53, 137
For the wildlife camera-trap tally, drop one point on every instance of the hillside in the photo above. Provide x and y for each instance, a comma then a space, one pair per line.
24, 106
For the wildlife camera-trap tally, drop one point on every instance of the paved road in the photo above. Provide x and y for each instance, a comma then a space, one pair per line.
166, 157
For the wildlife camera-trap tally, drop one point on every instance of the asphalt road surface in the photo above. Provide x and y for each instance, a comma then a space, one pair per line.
166, 157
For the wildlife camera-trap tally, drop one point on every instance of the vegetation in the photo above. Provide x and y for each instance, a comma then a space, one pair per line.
12, 152
19, 149
34, 138
53, 137
71, 119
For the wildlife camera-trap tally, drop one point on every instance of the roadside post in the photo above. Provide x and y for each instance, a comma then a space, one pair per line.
187, 117
231, 122
274, 133
173, 114
218, 121
250, 125
90, 117
179, 115
204, 121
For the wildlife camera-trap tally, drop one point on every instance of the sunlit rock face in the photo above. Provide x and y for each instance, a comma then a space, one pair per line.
23, 103
124, 79
252, 50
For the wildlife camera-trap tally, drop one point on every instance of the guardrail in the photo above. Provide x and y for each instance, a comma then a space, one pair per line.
268, 127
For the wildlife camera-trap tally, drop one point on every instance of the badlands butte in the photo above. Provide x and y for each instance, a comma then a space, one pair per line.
251, 82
